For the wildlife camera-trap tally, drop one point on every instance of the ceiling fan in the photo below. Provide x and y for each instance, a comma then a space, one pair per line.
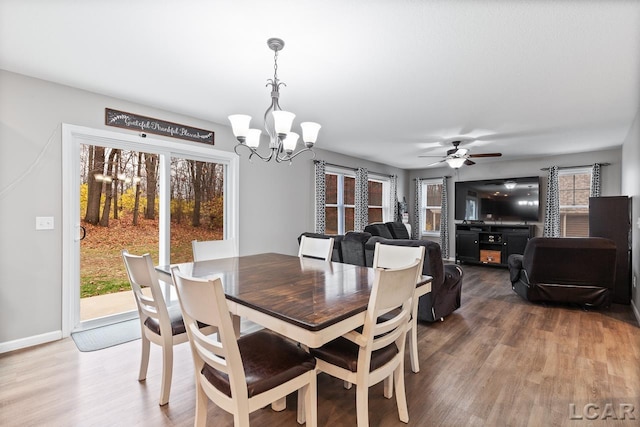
456, 156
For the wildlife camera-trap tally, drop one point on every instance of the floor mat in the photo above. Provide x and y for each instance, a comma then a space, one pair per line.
107, 336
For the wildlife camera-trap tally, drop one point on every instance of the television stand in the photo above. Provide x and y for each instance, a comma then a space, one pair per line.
480, 243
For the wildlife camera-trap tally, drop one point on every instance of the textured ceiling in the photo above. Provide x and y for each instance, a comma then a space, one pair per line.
388, 80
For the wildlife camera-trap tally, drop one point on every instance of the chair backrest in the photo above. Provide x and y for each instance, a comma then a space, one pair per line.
204, 301
392, 288
394, 256
213, 249
316, 248
142, 274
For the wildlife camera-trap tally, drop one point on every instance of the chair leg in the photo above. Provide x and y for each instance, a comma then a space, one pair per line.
167, 372
280, 404
362, 405
202, 401
308, 403
388, 387
413, 345
144, 359
401, 397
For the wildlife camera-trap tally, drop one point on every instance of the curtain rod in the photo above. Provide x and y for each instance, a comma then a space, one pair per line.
575, 167
352, 168
433, 177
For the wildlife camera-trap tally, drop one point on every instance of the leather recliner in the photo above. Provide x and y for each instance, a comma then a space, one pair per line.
577, 270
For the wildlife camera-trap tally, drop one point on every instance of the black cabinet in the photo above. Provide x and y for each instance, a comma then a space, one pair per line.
491, 244
467, 246
610, 217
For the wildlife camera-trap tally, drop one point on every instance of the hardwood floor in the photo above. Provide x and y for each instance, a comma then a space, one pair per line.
497, 361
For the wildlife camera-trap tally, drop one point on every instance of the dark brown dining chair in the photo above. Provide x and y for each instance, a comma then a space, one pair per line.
241, 375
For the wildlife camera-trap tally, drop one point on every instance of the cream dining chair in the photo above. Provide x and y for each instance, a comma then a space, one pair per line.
158, 324
213, 249
395, 256
376, 354
313, 247
234, 372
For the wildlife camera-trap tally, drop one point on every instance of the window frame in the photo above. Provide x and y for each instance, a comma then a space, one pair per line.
341, 173
572, 171
424, 184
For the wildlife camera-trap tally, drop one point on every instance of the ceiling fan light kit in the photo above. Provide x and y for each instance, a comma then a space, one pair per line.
456, 162
277, 124
456, 157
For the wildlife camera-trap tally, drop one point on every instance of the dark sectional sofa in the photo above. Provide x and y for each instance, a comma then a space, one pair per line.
358, 248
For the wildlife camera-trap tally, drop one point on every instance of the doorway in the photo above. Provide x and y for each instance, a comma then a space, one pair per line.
144, 195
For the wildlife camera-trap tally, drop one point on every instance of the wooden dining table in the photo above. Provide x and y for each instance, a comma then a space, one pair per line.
307, 300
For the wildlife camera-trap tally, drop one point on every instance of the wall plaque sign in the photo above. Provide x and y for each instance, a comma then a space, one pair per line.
125, 120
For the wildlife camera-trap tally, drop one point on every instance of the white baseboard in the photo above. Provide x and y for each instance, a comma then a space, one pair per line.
635, 311
29, 341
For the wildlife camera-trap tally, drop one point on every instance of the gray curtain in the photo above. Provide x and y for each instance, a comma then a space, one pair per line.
320, 196
552, 210
361, 215
595, 180
415, 226
393, 190
444, 220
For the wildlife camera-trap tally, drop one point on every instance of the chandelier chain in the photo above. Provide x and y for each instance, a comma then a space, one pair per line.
275, 67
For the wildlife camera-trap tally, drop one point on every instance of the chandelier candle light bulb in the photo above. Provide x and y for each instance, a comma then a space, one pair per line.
277, 123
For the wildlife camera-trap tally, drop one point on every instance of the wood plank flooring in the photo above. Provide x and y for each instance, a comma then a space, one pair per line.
497, 361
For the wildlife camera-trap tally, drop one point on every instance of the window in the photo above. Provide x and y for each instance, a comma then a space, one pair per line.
431, 206
340, 200
574, 187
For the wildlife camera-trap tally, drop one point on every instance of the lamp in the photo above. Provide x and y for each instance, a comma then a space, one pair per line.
277, 123
456, 162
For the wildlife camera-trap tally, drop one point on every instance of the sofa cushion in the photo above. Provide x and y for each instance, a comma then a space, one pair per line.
379, 229
353, 247
570, 260
398, 230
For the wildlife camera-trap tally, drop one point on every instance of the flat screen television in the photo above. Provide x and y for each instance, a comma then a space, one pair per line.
508, 199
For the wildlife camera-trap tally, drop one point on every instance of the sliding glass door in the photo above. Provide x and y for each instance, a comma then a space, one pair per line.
142, 195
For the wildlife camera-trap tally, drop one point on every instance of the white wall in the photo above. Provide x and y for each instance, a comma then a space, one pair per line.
276, 200
611, 177
631, 187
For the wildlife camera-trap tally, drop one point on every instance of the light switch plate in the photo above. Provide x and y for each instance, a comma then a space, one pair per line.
44, 223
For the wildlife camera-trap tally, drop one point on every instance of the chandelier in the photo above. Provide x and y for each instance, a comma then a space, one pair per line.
277, 123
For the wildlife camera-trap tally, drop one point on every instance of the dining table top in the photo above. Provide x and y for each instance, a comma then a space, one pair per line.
308, 293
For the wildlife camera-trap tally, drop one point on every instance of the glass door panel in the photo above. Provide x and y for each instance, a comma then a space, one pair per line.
118, 210
197, 205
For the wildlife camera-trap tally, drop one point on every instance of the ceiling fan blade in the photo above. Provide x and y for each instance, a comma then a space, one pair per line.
433, 164
486, 155
469, 162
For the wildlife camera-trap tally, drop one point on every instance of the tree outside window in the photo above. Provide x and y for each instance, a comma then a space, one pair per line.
574, 187
431, 207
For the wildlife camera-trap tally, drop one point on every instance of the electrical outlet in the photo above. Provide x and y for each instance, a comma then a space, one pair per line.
44, 223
